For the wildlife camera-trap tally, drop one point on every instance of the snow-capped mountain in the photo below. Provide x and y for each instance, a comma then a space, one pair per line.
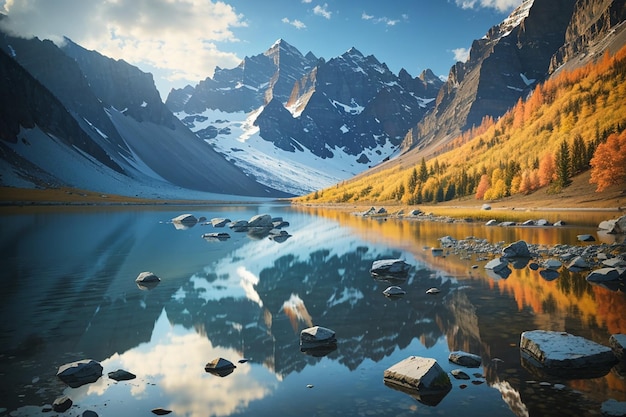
72, 117
298, 123
254, 82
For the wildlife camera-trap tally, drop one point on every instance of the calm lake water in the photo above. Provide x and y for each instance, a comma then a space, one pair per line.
68, 293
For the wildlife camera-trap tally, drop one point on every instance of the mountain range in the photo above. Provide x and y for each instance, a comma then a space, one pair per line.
281, 123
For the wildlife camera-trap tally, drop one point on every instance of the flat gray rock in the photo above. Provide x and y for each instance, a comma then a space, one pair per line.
390, 268
604, 275
562, 351
394, 291
121, 375
417, 373
497, 264
465, 359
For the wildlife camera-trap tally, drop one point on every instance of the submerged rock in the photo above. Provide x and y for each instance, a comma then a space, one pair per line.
62, 404
76, 374
220, 367
184, 221
147, 277
121, 375
317, 337
394, 291
585, 238
147, 280
219, 221
396, 268
216, 237
465, 359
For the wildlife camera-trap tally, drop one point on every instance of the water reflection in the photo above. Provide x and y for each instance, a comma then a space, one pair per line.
249, 297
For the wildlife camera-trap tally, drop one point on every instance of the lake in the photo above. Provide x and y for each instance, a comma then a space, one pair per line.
69, 293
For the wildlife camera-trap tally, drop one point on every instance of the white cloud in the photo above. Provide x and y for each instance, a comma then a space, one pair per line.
461, 54
307, 1
322, 11
384, 20
500, 5
176, 36
295, 23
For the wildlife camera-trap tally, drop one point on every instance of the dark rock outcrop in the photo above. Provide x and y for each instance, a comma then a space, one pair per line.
502, 67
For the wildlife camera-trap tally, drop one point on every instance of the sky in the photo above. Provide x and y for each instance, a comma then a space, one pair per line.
182, 41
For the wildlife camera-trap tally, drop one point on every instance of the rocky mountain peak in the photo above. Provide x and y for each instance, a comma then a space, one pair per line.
253, 83
503, 66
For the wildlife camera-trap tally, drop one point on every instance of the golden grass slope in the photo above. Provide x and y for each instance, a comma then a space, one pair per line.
588, 102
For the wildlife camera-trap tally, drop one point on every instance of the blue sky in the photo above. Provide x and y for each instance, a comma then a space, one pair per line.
181, 41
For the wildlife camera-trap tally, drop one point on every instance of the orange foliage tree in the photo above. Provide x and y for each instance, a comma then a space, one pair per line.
608, 165
547, 169
483, 186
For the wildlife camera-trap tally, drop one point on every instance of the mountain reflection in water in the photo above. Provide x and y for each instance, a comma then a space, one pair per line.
249, 297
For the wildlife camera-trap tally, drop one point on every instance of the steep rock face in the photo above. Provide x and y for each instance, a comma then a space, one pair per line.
121, 85
591, 21
502, 67
62, 76
26, 103
253, 83
351, 102
89, 121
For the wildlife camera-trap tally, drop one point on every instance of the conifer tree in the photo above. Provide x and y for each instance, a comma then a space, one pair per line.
579, 155
563, 165
423, 174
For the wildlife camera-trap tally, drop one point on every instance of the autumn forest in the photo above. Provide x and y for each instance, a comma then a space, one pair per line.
572, 123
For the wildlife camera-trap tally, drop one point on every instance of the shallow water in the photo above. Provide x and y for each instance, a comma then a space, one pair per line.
68, 293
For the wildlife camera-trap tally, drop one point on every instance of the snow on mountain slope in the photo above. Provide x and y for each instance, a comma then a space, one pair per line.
299, 172
63, 165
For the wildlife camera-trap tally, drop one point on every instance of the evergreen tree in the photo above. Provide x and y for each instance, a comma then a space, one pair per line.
579, 155
423, 174
450, 192
563, 165
413, 180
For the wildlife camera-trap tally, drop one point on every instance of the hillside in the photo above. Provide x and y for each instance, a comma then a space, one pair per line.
576, 110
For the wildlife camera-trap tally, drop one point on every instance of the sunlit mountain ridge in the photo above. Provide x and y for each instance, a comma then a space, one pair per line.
542, 142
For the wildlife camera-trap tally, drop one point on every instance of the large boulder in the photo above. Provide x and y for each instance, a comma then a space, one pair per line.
76, 374
395, 268
565, 354
614, 226
422, 378
517, 249
261, 220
